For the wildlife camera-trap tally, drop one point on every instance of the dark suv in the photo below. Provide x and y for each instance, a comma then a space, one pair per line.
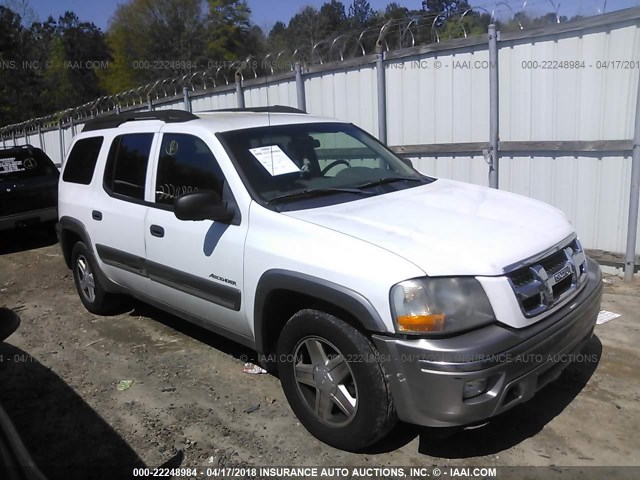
28, 187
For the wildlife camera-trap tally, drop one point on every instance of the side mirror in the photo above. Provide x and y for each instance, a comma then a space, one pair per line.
407, 162
203, 205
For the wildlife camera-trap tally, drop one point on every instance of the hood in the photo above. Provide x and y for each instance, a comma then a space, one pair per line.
447, 227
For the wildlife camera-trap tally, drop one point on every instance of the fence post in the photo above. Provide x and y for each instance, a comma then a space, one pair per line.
634, 199
494, 109
73, 127
187, 100
40, 137
13, 137
382, 93
61, 137
149, 103
302, 96
239, 92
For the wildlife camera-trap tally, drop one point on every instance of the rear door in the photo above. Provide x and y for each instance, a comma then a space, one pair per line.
195, 266
118, 211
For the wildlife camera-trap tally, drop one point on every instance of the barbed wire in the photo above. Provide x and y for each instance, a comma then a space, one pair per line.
394, 34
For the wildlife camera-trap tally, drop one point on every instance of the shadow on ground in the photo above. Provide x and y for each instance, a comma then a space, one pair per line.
25, 239
499, 434
66, 438
194, 331
506, 430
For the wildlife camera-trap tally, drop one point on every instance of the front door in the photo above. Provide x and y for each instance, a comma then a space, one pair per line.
195, 266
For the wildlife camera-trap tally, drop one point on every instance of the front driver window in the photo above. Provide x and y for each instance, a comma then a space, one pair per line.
185, 165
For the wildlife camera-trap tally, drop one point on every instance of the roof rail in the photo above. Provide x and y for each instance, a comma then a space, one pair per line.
271, 109
113, 121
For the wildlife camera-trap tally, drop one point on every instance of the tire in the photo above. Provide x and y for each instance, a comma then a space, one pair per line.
92, 293
333, 381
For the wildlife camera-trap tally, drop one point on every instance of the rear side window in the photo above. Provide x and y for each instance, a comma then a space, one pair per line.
126, 170
82, 160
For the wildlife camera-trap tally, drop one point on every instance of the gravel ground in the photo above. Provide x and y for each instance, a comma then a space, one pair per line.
191, 405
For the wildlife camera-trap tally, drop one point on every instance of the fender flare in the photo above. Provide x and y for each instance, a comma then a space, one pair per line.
76, 226
345, 298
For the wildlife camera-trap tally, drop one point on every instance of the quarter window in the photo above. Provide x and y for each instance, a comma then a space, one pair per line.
185, 165
82, 160
126, 170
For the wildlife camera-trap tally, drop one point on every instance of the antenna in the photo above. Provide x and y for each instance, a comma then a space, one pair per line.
266, 86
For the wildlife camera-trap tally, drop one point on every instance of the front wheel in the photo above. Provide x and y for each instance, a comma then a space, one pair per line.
333, 381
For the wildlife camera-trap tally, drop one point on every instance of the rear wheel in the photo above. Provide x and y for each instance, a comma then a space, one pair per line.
92, 293
333, 381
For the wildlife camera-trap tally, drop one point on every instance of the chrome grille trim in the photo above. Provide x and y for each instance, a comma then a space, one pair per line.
548, 280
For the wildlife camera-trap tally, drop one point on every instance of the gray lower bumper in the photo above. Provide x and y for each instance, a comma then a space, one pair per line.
28, 218
427, 376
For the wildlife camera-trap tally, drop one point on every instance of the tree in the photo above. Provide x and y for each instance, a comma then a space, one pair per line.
50, 65
361, 14
473, 24
332, 22
230, 31
13, 76
333, 17
450, 21
22, 8
310, 28
152, 39
84, 52
277, 40
446, 8
394, 11
304, 29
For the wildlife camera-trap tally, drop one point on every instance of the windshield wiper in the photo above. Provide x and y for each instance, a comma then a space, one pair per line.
316, 192
382, 181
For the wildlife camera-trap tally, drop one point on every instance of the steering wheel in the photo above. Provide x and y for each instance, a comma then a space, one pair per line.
335, 163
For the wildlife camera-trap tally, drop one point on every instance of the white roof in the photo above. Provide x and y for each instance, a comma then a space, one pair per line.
225, 121
220, 121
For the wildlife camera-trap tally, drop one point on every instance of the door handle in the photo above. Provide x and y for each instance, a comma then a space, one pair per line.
96, 215
157, 231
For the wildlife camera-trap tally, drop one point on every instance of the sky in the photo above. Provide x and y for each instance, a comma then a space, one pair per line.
266, 12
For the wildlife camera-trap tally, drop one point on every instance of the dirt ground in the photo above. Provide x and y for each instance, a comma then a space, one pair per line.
191, 405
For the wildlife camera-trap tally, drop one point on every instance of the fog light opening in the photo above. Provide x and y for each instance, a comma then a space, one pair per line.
473, 388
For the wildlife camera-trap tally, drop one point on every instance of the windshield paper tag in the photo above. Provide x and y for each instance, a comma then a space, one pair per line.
274, 160
11, 165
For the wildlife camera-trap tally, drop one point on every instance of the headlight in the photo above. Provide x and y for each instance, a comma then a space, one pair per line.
444, 305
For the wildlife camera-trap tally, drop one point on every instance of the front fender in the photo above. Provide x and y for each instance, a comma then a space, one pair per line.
342, 297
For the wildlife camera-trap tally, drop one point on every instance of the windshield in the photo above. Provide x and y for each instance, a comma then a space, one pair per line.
318, 162
24, 163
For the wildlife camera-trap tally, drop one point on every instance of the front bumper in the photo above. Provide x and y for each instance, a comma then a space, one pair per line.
24, 219
427, 376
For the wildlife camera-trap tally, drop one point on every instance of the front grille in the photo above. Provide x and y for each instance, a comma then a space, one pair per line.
554, 262
549, 279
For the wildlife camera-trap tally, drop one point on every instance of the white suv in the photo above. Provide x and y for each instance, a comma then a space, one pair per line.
378, 293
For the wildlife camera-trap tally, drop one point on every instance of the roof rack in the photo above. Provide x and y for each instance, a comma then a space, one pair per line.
113, 121
271, 109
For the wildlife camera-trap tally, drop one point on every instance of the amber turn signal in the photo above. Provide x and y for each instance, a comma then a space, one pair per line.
422, 323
